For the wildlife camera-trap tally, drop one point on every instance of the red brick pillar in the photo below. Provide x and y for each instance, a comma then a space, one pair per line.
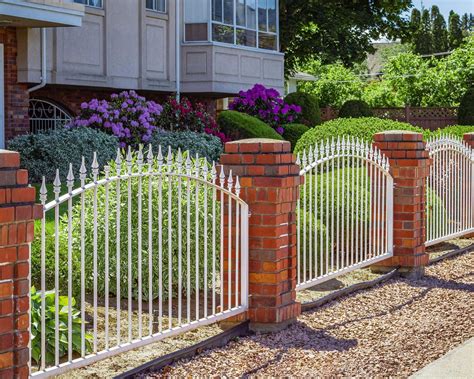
270, 182
17, 214
409, 166
469, 139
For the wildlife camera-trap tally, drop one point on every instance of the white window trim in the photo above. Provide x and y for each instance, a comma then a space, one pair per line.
156, 10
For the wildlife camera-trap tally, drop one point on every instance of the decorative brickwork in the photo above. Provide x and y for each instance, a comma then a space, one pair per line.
410, 165
270, 185
469, 139
17, 215
16, 94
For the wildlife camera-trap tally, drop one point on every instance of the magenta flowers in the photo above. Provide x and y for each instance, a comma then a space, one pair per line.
267, 105
128, 116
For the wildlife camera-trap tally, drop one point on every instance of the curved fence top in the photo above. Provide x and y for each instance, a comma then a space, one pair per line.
342, 147
446, 142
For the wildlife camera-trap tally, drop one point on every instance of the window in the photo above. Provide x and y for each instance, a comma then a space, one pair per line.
90, 3
156, 5
250, 23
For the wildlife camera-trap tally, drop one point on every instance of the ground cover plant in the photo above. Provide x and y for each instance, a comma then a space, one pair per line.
239, 125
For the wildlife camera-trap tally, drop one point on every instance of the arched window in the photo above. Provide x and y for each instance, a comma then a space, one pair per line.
45, 115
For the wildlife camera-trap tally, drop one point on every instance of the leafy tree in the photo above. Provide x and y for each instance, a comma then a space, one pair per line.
439, 31
424, 43
455, 34
336, 30
467, 24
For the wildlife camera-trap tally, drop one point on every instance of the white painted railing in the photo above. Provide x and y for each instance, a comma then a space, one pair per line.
142, 249
450, 190
345, 211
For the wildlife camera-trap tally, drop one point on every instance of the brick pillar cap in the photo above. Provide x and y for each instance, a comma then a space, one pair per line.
9, 159
258, 145
398, 135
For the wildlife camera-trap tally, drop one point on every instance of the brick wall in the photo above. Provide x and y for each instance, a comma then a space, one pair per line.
16, 94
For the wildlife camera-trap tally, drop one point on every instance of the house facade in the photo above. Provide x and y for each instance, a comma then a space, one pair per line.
219, 46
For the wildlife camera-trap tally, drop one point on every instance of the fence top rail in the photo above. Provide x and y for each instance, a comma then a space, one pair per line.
179, 166
342, 148
447, 142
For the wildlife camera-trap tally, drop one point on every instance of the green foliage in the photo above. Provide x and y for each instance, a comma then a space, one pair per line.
335, 85
238, 125
454, 130
355, 109
362, 128
310, 112
203, 144
293, 132
466, 108
50, 326
336, 31
455, 33
378, 93
41, 154
439, 31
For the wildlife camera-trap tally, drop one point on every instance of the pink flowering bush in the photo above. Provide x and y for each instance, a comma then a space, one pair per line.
267, 105
128, 116
184, 115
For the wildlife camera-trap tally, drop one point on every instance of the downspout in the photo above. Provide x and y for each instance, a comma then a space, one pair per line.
43, 62
178, 51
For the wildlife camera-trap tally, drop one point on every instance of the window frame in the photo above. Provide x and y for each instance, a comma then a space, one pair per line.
211, 22
156, 10
87, 4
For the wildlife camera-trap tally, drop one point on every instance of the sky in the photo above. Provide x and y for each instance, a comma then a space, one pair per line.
445, 6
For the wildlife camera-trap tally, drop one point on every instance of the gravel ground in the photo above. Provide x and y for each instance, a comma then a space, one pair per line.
391, 330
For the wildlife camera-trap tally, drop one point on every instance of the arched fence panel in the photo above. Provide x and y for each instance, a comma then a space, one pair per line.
450, 190
45, 115
345, 211
148, 248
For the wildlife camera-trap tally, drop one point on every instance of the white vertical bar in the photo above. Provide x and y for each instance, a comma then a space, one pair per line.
43, 198
229, 243
57, 190
118, 163
170, 241
150, 240
179, 161
298, 232
214, 193
353, 190
70, 184
139, 241
95, 172
327, 207
196, 222
316, 206
82, 175
221, 270
205, 188
310, 216
338, 196
129, 242
304, 217
342, 181
244, 257
237, 236
332, 250
106, 256
188, 238
160, 240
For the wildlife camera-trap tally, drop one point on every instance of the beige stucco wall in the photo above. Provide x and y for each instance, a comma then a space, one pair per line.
126, 46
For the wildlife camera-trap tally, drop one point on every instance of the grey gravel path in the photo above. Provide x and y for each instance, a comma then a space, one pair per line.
391, 330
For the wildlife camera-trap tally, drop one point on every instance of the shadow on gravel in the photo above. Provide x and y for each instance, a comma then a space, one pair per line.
300, 336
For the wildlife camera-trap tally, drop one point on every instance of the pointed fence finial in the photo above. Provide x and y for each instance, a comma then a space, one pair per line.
237, 186
43, 191
128, 160
149, 157
118, 162
230, 181
83, 172
70, 178
179, 161
222, 177
95, 167
213, 173
57, 185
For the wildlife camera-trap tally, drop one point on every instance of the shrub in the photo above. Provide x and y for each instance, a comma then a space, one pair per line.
113, 205
466, 108
50, 326
238, 125
310, 113
205, 145
267, 105
454, 130
355, 108
363, 128
293, 133
184, 115
41, 154
127, 116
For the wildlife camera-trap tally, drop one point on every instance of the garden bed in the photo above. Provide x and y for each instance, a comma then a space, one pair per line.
394, 329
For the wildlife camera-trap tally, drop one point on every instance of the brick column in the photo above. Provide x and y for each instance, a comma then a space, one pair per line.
17, 214
409, 166
270, 183
469, 139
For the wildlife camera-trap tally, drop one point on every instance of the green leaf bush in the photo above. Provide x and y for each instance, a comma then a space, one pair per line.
454, 130
310, 112
293, 132
43, 153
50, 326
238, 125
203, 144
355, 109
466, 108
363, 128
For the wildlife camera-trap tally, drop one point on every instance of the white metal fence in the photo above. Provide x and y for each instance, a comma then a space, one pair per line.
142, 251
44, 115
450, 190
345, 211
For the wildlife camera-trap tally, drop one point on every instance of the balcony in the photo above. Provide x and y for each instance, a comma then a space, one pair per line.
40, 13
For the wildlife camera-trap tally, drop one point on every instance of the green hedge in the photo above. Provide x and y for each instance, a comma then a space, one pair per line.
355, 109
238, 125
293, 133
363, 128
454, 130
310, 112
205, 145
466, 108
43, 153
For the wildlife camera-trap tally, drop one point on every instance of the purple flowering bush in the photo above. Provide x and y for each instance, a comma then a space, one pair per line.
128, 116
267, 105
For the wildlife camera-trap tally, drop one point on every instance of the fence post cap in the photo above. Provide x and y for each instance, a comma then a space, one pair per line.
258, 145
398, 135
9, 159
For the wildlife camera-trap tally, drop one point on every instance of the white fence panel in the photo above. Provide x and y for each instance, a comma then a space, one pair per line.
345, 211
450, 190
138, 253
